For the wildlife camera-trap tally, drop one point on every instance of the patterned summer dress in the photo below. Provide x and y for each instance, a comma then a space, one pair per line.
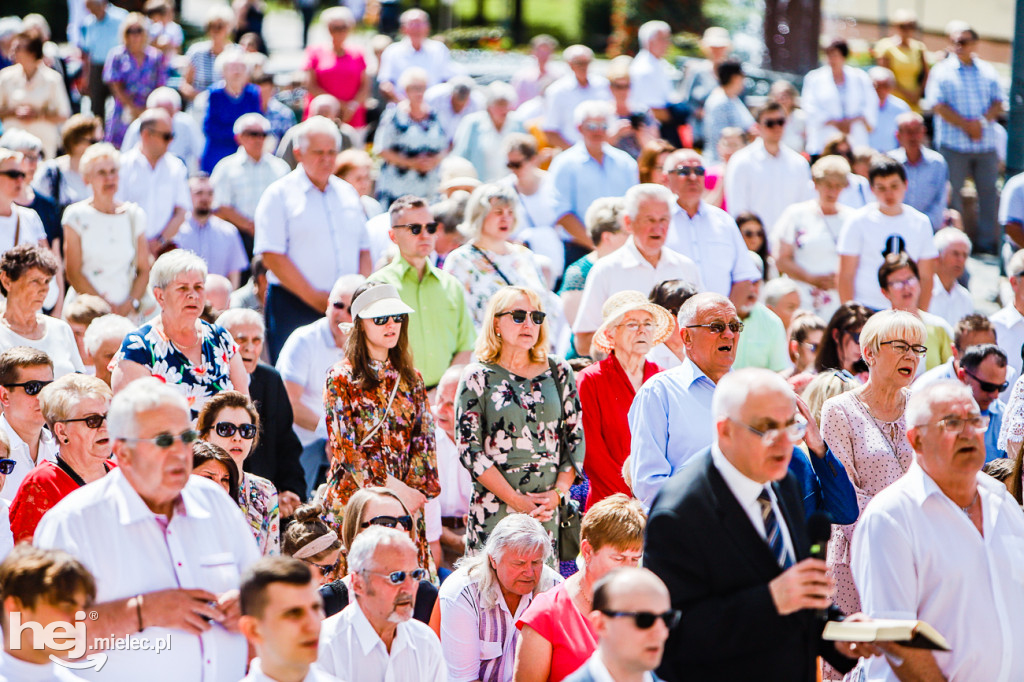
138, 79
258, 499
400, 133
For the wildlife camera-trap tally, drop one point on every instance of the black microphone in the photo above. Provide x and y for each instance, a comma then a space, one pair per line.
819, 530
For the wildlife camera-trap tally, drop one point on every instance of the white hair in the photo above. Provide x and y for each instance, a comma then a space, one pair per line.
500, 91
174, 263
919, 407
106, 328
1016, 265
346, 284
592, 108
142, 395
776, 288
516, 533
948, 236
733, 390
360, 556
647, 191
692, 306
651, 29
251, 119
576, 51
19, 140
236, 316
316, 125
880, 74
221, 12
480, 203
231, 57
337, 14
164, 95
412, 75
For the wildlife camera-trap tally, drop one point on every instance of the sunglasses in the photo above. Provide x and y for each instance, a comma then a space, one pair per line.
389, 522
593, 127
227, 430
134, 30
399, 577
719, 327
166, 440
774, 123
645, 619
14, 174
326, 569
166, 137
687, 171
514, 165
93, 421
416, 228
255, 133
31, 387
988, 386
383, 320
750, 234
340, 305
843, 375
519, 316
7, 466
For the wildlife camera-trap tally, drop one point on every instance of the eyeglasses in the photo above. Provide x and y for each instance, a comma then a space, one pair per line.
977, 422
750, 234
514, 165
389, 522
902, 347
254, 133
774, 122
592, 126
519, 316
326, 569
620, 86
7, 466
14, 174
166, 137
687, 171
399, 577
340, 305
134, 30
635, 326
227, 430
383, 319
902, 284
416, 228
93, 421
31, 387
793, 432
988, 386
645, 619
166, 440
813, 347
719, 327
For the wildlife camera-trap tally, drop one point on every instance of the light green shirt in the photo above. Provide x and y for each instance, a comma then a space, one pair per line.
763, 341
441, 326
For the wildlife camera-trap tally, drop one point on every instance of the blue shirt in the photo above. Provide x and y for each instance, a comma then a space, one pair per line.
221, 113
926, 183
968, 89
579, 179
995, 423
826, 486
100, 36
669, 422
883, 136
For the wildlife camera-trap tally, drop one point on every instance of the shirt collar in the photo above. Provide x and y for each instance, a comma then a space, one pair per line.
691, 373
404, 267
599, 671
920, 486
676, 209
745, 489
368, 637
132, 508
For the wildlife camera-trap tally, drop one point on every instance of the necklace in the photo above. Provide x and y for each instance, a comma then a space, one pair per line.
967, 509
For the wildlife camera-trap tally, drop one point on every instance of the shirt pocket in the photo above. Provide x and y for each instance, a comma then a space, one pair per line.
218, 572
490, 650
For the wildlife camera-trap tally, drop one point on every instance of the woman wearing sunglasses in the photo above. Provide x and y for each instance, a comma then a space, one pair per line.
519, 423
230, 420
75, 409
379, 427
313, 542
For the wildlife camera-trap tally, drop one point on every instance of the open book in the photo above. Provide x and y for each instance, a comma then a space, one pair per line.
913, 633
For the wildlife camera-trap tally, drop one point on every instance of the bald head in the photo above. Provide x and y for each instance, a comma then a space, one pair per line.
614, 590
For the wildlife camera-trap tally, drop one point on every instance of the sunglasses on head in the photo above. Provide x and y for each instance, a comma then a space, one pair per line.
7, 466
416, 228
31, 387
389, 522
519, 316
227, 430
774, 122
14, 174
383, 319
166, 440
687, 171
645, 619
93, 421
399, 577
988, 386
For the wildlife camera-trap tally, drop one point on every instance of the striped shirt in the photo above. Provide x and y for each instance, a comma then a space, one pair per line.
239, 182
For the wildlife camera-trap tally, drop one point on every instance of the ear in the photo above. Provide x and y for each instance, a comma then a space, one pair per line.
391, 235
794, 348
587, 550
835, 336
955, 353
627, 224
158, 294
5, 396
597, 622
12, 604
60, 431
687, 337
250, 628
723, 429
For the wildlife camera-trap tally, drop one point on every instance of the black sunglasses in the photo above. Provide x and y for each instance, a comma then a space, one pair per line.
988, 386
93, 421
7, 466
31, 387
416, 228
166, 440
514, 165
340, 305
645, 619
687, 171
774, 122
399, 577
255, 133
166, 137
227, 430
326, 569
389, 522
383, 319
14, 174
519, 316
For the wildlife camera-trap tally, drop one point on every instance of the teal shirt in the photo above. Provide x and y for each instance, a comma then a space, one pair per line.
763, 341
441, 325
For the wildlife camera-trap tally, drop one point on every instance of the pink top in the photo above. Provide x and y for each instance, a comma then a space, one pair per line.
553, 615
337, 75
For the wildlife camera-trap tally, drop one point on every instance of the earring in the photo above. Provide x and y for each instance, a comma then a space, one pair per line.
66, 441
499, 334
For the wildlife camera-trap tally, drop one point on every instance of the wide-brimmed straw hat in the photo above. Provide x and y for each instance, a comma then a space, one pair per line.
620, 304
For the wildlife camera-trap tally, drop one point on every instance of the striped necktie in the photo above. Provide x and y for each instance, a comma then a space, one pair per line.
772, 532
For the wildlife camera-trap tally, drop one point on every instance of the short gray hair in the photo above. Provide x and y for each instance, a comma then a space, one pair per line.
316, 125
734, 389
516, 533
232, 316
500, 91
948, 236
651, 29
337, 14
592, 108
105, 328
19, 140
576, 51
412, 74
250, 119
141, 395
97, 152
174, 263
361, 554
647, 191
603, 216
693, 305
480, 204
346, 284
164, 95
776, 288
1016, 265
880, 74
919, 406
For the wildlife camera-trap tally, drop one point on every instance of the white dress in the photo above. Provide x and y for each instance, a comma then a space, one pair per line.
109, 244
813, 236
58, 342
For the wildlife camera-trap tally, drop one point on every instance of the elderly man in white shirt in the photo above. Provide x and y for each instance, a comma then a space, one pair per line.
167, 548
705, 233
155, 179
951, 300
416, 49
311, 230
23, 374
568, 92
953, 552
651, 79
375, 638
188, 140
640, 263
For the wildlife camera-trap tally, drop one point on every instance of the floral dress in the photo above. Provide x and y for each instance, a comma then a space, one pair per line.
523, 427
398, 132
149, 347
138, 81
258, 499
402, 447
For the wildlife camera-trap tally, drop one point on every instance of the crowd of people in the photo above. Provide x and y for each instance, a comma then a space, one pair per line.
397, 376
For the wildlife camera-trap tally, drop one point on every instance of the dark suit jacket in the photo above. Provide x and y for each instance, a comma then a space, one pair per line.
276, 456
717, 569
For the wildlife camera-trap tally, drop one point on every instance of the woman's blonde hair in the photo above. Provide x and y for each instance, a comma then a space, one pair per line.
58, 400
828, 384
832, 167
488, 343
889, 325
97, 152
133, 19
617, 520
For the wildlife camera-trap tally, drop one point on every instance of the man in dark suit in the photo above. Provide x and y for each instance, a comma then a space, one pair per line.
728, 537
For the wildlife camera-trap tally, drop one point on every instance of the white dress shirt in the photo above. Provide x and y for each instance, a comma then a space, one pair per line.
456, 481
306, 357
23, 460
322, 233
626, 268
938, 568
157, 189
1009, 326
207, 544
351, 649
433, 57
766, 184
650, 81
711, 239
256, 674
953, 305
16, 670
599, 671
563, 96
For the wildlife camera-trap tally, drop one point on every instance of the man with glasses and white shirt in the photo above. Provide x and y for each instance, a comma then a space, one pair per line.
23, 374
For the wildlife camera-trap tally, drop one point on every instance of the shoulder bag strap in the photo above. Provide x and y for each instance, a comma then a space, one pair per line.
553, 364
17, 226
491, 263
387, 409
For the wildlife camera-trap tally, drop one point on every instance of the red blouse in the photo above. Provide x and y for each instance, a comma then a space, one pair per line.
44, 487
606, 395
555, 618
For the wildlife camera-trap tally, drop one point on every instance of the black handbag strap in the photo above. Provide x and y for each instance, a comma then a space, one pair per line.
491, 263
